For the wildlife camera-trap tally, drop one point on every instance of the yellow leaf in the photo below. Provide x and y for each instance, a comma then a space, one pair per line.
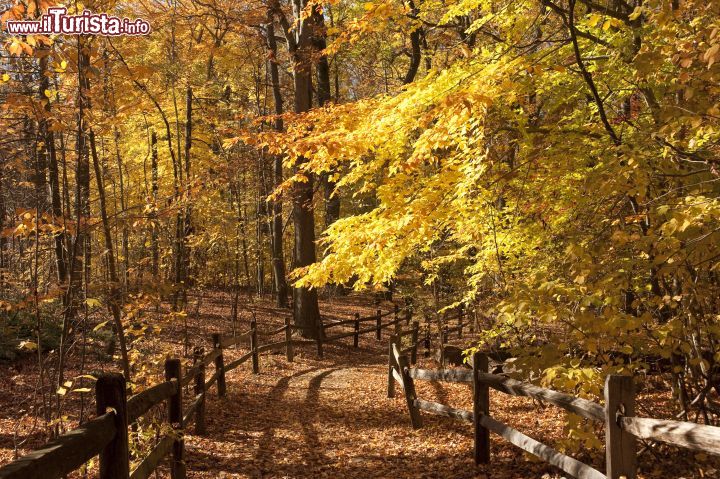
636, 13
28, 345
92, 302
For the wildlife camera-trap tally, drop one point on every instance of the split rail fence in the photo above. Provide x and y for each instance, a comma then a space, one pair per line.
107, 435
622, 426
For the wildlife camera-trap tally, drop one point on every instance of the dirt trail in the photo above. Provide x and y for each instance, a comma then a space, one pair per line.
331, 418
324, 417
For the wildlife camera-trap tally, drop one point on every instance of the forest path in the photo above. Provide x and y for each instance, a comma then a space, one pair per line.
332, 418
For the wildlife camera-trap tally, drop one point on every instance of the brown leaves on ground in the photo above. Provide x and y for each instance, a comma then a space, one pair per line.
331, 418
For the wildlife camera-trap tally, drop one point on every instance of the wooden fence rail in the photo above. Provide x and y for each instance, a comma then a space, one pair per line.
618, 415
107, 436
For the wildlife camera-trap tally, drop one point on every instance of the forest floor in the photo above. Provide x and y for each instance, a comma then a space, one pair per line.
331, 417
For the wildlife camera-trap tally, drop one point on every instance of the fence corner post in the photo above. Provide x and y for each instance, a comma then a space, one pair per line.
408, 386
289, 353
110, 392
219, 365
391, 368
199, 390
254, 346
481, 406
620, 446
378, 325
173, 370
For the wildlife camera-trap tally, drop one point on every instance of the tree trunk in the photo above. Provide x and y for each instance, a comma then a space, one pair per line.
278, 257
415, 39
305, 300
332, 200
154, 185
53, 175
114, 290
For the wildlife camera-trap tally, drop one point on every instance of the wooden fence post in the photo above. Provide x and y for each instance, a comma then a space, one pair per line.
356, 326
408, 387
254, 346
289, 353
391, 367
408, 315
199, 390
414, 339
173, 370
427, 341
320, 333
219, 365
378, 325
481, 406
443, 340
114, 458
620, 446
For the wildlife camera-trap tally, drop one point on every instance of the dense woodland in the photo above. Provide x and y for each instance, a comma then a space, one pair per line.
549, 165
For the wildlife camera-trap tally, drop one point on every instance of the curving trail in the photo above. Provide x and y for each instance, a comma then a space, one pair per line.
331, 418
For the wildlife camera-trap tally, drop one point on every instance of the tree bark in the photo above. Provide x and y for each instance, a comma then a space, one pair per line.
278, 257
415, 39
53, 175
155, 250
113, 288
305, 300
319, 35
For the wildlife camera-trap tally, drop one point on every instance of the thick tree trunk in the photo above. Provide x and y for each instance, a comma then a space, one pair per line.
305, 300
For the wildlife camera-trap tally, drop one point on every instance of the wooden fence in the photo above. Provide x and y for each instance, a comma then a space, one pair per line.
622, 427
107, 436
455, 321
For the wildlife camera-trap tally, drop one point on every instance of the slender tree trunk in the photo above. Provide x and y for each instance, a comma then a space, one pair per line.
278, 257
53, 175
114, 290
3, 239
319, 34
79, 265
154, 182
109, 93
415, 41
